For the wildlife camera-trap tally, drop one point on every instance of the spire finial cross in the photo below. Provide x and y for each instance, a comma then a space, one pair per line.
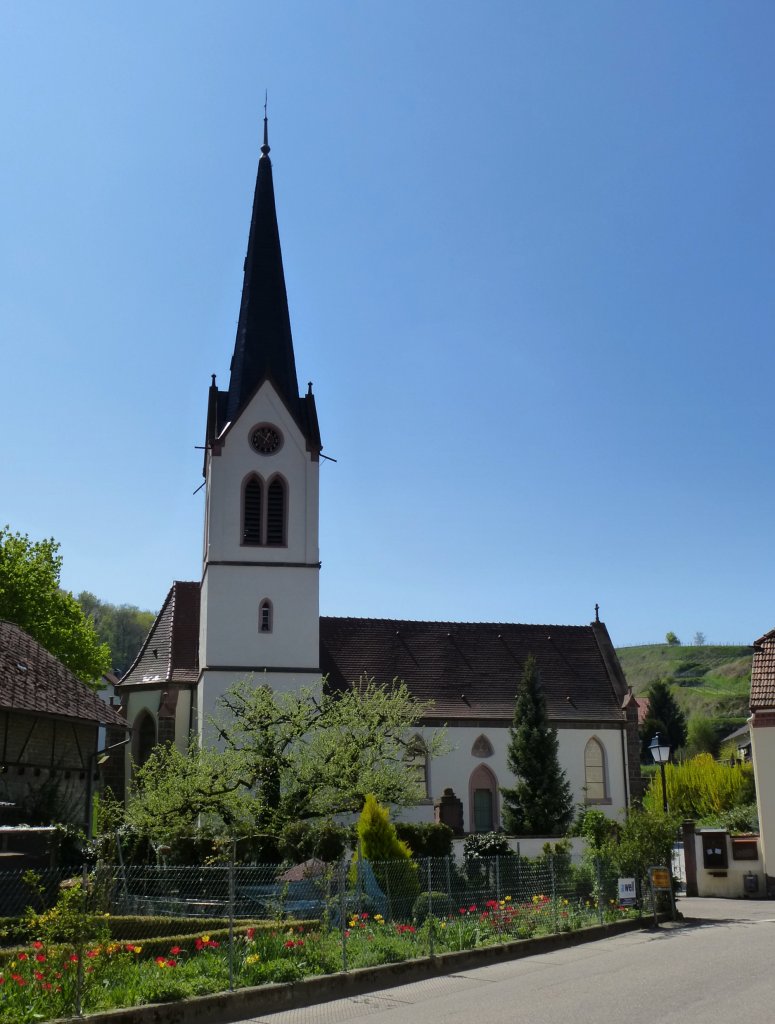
597, 612
265, 147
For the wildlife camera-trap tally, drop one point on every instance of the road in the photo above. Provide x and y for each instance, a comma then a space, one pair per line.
718, 967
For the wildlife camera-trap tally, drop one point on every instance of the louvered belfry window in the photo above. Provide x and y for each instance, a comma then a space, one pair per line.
251, 520
275, 513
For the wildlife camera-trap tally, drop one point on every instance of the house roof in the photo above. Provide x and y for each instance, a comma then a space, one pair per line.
763, 672
471, 669
170, 652
468, 669
33, 680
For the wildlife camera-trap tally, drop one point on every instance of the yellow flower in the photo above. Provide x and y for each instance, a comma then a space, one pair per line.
565, 903
138, 949
507, 898
205, 938
252, 959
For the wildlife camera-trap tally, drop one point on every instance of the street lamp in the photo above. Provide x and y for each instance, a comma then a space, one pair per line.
98, 757
661, 753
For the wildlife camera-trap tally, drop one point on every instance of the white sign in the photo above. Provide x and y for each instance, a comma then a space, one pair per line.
626, 891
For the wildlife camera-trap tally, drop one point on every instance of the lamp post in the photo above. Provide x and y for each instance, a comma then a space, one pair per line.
661, 754
98, 757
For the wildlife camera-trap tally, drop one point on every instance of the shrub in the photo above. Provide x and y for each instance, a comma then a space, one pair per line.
486, 844
701, 787
438, 904
426, 840
301, 840
379, 843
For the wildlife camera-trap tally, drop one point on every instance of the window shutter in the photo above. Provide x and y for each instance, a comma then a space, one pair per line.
275, 514
251, 518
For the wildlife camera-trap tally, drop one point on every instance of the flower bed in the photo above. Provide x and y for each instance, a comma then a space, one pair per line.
43, 982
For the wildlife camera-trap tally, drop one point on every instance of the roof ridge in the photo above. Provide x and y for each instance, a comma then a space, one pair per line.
456, 622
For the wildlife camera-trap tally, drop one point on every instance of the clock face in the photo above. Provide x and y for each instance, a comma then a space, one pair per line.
265, 439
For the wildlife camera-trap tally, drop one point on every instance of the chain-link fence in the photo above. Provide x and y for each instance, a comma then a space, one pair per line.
112, 935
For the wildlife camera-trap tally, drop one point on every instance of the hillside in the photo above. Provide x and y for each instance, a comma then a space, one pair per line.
710, 680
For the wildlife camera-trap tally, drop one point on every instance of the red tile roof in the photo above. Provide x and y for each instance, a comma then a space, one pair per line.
468, 669
33, 680
170, 652
763, 672
471, 669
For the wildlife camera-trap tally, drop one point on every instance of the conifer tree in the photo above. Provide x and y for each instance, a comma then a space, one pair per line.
665, 717
390, 857
540, 802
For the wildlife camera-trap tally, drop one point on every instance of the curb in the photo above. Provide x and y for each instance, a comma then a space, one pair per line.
225, 1007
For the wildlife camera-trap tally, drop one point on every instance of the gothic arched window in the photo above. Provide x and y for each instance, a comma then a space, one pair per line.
275, 513
252, 511
144, 737
418, 762
265, 616
594, 772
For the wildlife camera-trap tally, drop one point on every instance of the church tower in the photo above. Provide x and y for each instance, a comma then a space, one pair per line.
259, 612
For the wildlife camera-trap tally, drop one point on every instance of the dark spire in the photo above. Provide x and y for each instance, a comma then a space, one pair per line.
264, 345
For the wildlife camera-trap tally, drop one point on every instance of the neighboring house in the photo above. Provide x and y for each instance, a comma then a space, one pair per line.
49, 730
256, 611
741, 738
762, 723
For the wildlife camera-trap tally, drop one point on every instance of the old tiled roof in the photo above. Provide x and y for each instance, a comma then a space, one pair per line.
170, 652
471, 669
763, 672
33, 680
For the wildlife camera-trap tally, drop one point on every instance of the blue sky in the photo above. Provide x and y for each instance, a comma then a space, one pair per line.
529, 257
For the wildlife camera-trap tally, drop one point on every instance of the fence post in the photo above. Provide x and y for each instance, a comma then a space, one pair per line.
448, 860
231, 913
79, 941
497, 878
554, 891
359, 874
342, 911
430, 909
600, 893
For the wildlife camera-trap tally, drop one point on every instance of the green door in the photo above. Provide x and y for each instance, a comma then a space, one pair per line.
483, 810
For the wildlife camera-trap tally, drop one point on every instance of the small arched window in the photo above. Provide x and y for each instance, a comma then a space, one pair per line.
144, 738
594, 772
265, 616
275, 513
252, 512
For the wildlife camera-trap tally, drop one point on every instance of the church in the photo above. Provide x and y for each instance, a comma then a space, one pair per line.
255, 612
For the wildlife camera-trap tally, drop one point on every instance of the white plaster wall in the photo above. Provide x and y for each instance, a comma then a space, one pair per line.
729, 884
231, 594
763, 753
529, 846
454, 769
183, 723
213, 685
227, 471
231, 636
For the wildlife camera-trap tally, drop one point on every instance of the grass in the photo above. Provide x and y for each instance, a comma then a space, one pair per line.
712, 681
42, 983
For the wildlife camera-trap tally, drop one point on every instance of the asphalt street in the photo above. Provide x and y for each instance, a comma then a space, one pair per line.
715, 966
